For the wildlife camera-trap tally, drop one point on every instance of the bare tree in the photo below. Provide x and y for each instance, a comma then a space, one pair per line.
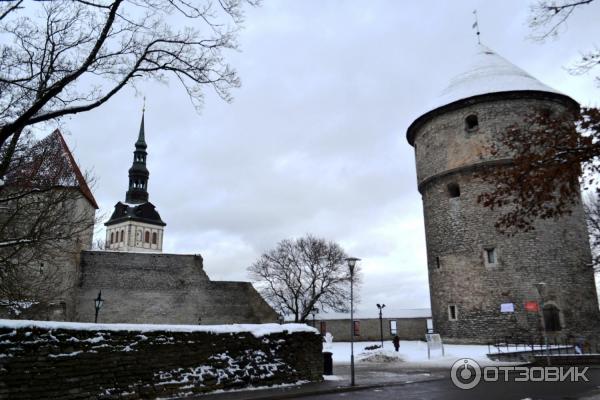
46, 219
62, 57
548, 154
552, 154
302, 274
546, 19
592, 218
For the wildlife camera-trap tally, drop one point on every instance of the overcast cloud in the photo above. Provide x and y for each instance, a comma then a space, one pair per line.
314, 141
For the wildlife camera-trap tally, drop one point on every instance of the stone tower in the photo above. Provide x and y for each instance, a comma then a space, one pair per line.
483, 283
136, 225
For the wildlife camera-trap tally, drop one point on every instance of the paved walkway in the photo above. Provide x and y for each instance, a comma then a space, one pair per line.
366, 376
374, 376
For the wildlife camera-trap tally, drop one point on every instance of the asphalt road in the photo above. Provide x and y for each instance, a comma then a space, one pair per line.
444, 389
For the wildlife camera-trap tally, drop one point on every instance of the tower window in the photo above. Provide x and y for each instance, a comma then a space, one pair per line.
437, 262
154, 237
452, 312
471, 122
552, 318
112, 237
453, 190
147, 237
490, 255
122, 235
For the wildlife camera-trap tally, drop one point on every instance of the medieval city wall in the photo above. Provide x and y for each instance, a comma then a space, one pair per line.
42, 360
370, 329
163, 288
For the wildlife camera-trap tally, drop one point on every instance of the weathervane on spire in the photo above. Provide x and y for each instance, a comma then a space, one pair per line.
476, 26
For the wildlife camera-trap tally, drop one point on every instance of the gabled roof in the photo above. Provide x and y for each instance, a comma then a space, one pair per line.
81, 182
50, 163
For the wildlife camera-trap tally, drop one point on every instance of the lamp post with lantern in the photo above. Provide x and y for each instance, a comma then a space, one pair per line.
98, 303
351, 266
381, 307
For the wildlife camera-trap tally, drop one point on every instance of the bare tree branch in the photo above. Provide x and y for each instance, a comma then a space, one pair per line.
67, 57
300, 275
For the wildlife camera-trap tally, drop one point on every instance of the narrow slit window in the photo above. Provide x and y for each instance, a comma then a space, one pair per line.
471, 122
490, 255
453, 190
452, 313
437, 262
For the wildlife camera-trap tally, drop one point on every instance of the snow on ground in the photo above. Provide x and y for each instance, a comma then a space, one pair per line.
412, 354
258, 330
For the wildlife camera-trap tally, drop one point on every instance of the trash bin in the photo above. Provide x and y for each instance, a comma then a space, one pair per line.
327, 363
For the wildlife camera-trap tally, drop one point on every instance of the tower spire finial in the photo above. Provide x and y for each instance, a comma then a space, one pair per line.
144, 106
476, 26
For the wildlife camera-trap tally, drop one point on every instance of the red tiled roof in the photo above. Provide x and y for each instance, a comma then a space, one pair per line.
83, 186
50, 163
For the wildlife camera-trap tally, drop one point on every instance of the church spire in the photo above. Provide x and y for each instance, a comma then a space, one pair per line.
138, 173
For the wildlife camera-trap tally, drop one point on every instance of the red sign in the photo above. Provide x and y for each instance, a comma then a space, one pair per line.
531, 306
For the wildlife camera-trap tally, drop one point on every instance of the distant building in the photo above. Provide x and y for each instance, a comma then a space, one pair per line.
408, 324
52, 213
136, 225
138, 283
483, 283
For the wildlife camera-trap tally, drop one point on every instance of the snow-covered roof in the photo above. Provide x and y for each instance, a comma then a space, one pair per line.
258, 330
487, 73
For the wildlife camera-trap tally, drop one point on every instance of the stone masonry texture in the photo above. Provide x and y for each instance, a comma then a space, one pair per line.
165, 289
39, 363
459, 230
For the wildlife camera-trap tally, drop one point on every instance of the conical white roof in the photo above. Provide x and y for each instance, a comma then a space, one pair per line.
487, 73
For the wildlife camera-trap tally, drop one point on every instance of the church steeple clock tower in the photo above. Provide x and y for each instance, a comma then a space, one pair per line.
136, 225
138, 173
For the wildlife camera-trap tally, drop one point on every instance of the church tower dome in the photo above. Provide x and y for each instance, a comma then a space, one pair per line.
483, 283
136, 225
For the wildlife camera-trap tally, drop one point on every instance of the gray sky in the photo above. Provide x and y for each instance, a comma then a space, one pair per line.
314, 141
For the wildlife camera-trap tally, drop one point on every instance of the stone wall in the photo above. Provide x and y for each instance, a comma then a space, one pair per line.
407, 328
88, 361
459, 230
163, 288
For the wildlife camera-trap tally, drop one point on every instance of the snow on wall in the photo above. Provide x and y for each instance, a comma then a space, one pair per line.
258, 330
109, 361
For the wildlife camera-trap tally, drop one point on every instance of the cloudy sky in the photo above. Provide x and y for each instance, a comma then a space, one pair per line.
314, 141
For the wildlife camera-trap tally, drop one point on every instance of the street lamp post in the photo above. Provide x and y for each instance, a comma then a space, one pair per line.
351, 265
98, 302
381, 307
541, 289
